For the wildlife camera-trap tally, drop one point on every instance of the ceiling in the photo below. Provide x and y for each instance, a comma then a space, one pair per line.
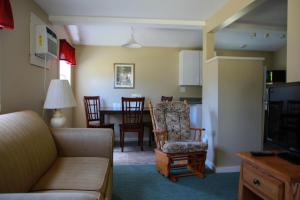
264, 40
270, 13
162, 23
167, 23
264, 29
157, 9
109, 35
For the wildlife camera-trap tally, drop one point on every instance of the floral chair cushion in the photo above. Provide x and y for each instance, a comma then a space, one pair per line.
183, 146
159, 116
174, 118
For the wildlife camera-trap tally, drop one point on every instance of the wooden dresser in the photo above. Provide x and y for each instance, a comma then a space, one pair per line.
268, 178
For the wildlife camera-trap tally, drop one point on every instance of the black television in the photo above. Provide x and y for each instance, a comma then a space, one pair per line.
284, 118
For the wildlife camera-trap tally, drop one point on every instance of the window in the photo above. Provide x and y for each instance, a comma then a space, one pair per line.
65, 71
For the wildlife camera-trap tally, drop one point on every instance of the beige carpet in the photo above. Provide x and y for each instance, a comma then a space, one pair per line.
133, 155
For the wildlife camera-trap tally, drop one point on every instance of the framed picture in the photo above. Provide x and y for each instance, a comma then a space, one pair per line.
124, 75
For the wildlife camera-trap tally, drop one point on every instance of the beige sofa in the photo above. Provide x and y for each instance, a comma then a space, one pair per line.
39, 163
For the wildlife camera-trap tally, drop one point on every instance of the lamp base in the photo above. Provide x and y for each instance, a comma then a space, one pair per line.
58, 119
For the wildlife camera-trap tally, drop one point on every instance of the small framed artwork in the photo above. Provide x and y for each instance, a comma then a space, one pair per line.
124, 75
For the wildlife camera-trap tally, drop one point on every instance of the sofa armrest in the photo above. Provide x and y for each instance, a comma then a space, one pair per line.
49, 196
84, 142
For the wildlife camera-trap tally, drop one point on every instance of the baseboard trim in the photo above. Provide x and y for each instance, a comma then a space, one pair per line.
228, 169
210, 165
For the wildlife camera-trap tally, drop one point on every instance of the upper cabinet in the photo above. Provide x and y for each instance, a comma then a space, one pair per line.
190, 67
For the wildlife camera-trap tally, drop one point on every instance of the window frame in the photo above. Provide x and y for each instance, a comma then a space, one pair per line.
67, 74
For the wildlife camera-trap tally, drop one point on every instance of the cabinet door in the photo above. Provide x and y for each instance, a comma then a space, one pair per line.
190, 68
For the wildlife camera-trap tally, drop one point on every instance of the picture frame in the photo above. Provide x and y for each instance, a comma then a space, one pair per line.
124, 75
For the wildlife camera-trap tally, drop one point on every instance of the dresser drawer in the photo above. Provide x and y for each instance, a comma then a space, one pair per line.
266, 186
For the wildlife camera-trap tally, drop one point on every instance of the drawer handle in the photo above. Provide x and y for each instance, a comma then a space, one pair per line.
256, 182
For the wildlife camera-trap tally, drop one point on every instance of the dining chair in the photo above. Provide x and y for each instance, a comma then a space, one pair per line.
92, 112
132, 119
166, 98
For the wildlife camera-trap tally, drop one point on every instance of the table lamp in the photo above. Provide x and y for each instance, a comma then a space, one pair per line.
59, 96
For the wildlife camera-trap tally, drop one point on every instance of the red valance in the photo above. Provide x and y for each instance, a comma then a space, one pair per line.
66, 52
6, 16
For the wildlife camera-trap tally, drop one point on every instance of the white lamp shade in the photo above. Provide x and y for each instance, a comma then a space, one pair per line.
59, 95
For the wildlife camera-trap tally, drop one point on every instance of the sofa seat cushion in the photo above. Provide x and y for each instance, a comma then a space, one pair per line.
183, 146
76, 173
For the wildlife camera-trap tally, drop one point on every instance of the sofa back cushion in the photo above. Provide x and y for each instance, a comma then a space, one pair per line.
27, 150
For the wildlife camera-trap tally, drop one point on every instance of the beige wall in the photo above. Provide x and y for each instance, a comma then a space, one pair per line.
232, 109
156, 74
22, 84
1, 65
240, 109
293, 41
268, 56
279, 58
210, 106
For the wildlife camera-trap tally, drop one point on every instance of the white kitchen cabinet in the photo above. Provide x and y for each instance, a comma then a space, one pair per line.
190, 67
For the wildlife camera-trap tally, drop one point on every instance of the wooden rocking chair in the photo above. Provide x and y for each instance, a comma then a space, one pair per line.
178, 145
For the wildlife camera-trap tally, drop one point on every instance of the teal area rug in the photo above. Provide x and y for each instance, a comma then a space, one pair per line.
143, 182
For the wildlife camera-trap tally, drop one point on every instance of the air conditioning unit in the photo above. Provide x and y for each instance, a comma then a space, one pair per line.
46, 43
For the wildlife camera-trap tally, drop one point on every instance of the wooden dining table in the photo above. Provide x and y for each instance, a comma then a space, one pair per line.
107, 111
